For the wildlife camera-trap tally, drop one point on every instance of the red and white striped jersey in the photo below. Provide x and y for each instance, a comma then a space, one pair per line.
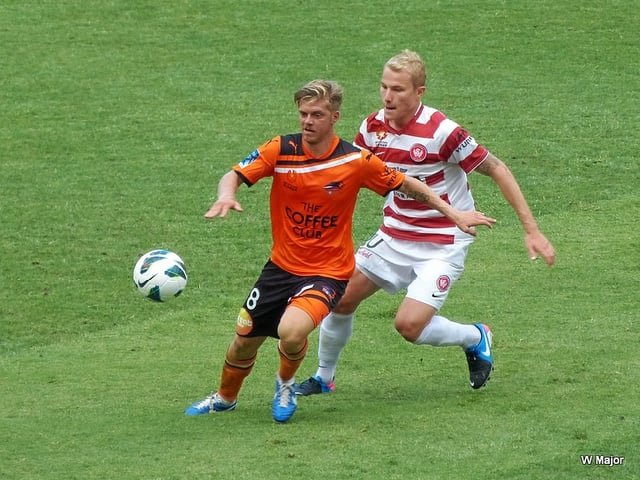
435, 150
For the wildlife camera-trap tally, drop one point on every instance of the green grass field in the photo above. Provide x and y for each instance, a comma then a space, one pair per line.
117, 120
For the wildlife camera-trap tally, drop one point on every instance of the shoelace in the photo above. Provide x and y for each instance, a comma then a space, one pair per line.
206, 402
285, 394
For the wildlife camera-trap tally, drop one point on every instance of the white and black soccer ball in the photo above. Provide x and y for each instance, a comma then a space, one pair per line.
160, 275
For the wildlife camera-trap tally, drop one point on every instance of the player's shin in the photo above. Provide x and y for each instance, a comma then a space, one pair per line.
441, 332
335, 332
233, 376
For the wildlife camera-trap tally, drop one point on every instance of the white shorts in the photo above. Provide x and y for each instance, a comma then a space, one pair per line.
426, 270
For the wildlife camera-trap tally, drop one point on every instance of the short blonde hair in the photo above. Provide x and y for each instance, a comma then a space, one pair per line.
410, 62
321, 89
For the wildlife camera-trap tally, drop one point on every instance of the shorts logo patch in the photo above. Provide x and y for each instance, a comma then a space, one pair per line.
329, 292
244, 323
443, 282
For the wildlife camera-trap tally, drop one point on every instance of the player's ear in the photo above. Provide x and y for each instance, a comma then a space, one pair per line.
336, 116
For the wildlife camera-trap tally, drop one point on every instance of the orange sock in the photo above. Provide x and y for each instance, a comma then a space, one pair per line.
289, 363
233, 376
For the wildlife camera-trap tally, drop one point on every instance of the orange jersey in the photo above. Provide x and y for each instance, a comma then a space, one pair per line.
313, 199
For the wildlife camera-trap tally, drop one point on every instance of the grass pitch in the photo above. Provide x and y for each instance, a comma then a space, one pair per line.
117, 120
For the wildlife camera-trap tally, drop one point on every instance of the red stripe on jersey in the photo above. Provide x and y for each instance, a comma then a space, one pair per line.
431, 222
396, 155
435, 178
412, 204
418, 237
470, 163
453, 141
425, 130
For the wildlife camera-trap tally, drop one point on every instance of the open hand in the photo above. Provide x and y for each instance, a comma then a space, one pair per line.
221, 207
467, 221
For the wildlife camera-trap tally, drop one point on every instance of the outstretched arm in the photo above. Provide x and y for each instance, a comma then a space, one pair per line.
227, 188
535, 241
465, 221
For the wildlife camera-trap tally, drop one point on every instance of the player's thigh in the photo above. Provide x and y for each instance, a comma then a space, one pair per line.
316, 297
359, 288
266, 303
433, 282
295, 325
387, 268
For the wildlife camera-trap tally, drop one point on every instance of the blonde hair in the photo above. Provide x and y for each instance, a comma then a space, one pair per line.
321, 90
410, 62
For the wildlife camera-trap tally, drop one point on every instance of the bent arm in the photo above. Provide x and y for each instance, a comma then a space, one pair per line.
227, 188
465, 221
535, 241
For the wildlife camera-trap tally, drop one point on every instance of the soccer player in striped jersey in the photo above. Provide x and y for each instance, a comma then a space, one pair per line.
316, 177
416, 247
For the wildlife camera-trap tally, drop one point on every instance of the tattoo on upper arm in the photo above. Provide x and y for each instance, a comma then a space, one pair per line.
488, 165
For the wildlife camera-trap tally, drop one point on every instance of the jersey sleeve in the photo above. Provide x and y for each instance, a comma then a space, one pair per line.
260, 163
379, 177
461, 148
358, 141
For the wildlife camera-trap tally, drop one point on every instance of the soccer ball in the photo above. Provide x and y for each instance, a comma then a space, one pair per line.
160, 275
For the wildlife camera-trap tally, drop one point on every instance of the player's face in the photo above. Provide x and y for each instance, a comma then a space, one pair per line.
317, 121
400, 97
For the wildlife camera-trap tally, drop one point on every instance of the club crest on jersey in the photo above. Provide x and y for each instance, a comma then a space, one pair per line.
333, 187
418, 152
290, 180
443, 283
381, 135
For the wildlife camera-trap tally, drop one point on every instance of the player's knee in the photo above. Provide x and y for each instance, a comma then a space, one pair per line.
408, 328
347, 305
290, 335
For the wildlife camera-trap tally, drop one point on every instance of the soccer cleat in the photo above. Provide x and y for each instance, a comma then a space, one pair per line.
211, 404
479, 358
313, 386
284, 402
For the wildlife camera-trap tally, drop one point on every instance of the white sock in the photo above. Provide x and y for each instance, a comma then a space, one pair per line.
335, 331
442, 332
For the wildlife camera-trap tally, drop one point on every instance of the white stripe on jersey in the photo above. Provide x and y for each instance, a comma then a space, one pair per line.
321, 166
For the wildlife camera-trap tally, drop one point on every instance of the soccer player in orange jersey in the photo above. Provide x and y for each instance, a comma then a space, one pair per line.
316, 180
